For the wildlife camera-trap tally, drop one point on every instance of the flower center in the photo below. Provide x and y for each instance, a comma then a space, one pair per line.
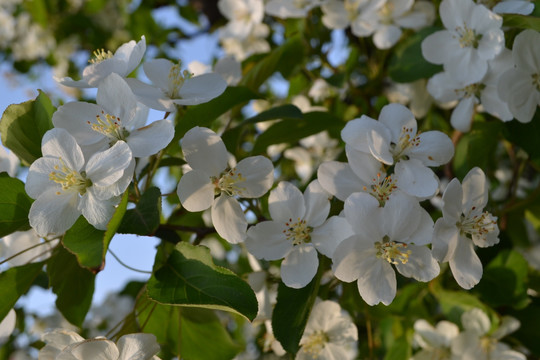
100, 55
315, 343
406, 140
110, 126
227, 183
385, 13
177, 77
478, 225
298, 232
536, 81
70, 179
468, 37
381, 188
470, 90
392, 251
487, 344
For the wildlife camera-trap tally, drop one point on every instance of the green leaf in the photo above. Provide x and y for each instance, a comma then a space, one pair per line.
22, 126
15, 282
454, 303
504, 282
190, 278
115, 222
73, 285
144, 219
205, 114
400, 350
283, 59
521, 21
292, 130
524, 135
14, 205
292, 311
407, 63
86, 243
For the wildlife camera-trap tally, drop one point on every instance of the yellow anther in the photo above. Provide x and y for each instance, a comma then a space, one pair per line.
110, 126
227, 183
393, 252
315, 343
468, 37
100, 55
298, 232
177, 77
69, 179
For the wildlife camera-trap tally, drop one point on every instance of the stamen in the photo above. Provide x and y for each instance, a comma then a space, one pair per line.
69, 178
393, 252
405, 141
110, 126
468, 37
381, 188
315, 343
478, 225
227, 183
100, 55
470, 90
298, 232
176, 80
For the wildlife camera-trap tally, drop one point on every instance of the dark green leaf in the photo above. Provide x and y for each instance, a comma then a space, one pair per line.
86, 243
144, 219
407, 63
521, 21
73, 285
14, 205
524, 135
15, 282
190, 278
400, 350
22, 126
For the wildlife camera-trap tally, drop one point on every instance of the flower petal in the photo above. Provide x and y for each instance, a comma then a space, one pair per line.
150, 139
106, 167
465, 264
299, 266
53, 212
258, 173
317, 204
98, 212
195, 191
286, 203
201, 89
228, 219
329, 235
204, 150
138, 346
267, 241
416, 179
338, 179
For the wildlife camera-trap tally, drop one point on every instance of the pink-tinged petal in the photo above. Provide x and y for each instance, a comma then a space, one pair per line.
299, 266
150, 139
416, 179
116, 98
96, 211
421, 265
77, 118
462, 116
338, 179
258, 173
204, 150
401, 215
397, 117
356, 133
317, 204
138, 346
452, 202
229, 219
286, 203
526, 55
445, 239
329, 235
201, 89
378, 282
151, 96
195, 191
386, 36
95, 349
465, 264
350, 258
363, 213
106, 167
54, 213
38, 180
435, 148
59, 143
267, 241
364, 166
475, 190
157, 71
439, 47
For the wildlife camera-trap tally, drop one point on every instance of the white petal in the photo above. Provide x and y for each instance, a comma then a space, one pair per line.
475, 190
228, 219
151, 96
329, 235
424, 232
95, 73
445, 239
462, 116
195, 191
465, 264
338, 179
106, 167
421, 265
59, 143
386, 36
116, 98
258, 173
54, 213
435, 148
204, 150
267, 241
364, 215
364, 165
439, 47
317, 204
416, 179
38, 180
201, 89
95, 349
378, 282
401, 215
356, 133
286, 203
7, 325
452, 201
76, 117
350, 256
299, 266
138, 346
476, 321
525, 54
98, 212
134, 53
157, 71
396, 117
150, 139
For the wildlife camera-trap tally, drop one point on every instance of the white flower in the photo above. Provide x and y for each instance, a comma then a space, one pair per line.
126, 58
173, 87
329, 334
463, 225
7, 325
66, 345
473, 37
243, 15
393, 234
116, 117
65, 185
393, 141
206, 154
28, 244
242, 48
476, 342
434, 341
414, 94
298, 229
285, 9
9, 162
520, 86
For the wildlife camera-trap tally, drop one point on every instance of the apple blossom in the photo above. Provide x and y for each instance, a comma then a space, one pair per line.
27, 246
435, 341
463, 225
206, 154
298, 229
